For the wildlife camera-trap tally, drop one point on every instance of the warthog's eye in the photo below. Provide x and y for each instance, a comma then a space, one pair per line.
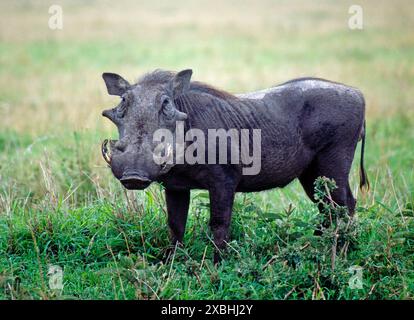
167, 108
165, 102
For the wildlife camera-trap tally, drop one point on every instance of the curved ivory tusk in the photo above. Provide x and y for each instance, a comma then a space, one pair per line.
170, 155
166, 161
106, 154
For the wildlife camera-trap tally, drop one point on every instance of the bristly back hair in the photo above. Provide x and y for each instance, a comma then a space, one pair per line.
157, 76
161, 77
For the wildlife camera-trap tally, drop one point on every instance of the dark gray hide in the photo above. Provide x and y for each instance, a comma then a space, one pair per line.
309, 128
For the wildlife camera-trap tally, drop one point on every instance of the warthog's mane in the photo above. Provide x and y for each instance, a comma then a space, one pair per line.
203, 103
162, 77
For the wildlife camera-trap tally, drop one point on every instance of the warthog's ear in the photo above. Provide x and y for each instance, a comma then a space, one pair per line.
115, 84
181, 82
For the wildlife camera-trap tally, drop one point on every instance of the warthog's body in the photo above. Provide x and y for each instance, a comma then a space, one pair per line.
309, 128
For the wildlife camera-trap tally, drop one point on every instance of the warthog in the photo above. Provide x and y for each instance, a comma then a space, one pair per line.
309, 127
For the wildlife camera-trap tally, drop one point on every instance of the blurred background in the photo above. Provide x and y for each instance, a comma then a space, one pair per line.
52, 93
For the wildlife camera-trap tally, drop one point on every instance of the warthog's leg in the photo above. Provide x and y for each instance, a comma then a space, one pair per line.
177, 207
221, 205
334, 164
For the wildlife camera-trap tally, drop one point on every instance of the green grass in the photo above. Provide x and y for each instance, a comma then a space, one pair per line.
110, 256
60, 205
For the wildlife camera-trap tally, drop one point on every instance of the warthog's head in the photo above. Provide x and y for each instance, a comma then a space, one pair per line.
145, 107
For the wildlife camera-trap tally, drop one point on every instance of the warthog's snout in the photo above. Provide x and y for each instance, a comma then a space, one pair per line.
134, 181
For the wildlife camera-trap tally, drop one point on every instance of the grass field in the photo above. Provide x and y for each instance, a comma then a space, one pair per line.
60, 205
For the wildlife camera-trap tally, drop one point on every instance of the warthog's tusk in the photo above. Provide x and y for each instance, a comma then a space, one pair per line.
165, 162
106, 154
170, 155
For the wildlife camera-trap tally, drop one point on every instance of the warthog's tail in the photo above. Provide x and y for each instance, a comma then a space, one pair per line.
362, 174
